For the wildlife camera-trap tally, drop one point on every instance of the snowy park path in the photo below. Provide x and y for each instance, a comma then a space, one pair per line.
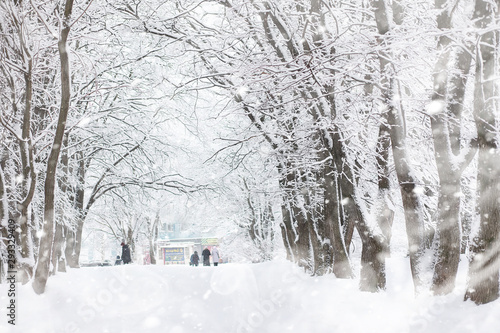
270, 297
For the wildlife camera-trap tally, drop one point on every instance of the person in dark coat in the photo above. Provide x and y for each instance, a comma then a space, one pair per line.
206, 256
126, 254
195, 258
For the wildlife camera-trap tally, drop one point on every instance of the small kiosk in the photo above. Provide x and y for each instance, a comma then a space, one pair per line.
178, 251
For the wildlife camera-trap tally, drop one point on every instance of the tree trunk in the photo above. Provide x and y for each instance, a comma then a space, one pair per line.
448, 221
384, 212
484, 279
61, 229
303, 238
348, 226
457, 86
467, 214
25, 271
74, 243
74, 237
152, 253
153, 236
341, 265
411, 201
407, 182
129, 239
57, 257
69, 250
28, 183
331, 150
43, 267
287, 232
372, 275
376, 248
448, 227
295, 227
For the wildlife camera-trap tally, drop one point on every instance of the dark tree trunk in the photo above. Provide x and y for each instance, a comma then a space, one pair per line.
484, 279
331, 152
302, 241
457, 85
376, 248
152, 253
28, 183
372, 275
295, 227
385, 212
467, 215
60, 228
69, 248
43, 266
57, 257
445, 124
287, 232
348, 227
25, 271
411, 202
449, 240
74, 235
153, 237
341, 264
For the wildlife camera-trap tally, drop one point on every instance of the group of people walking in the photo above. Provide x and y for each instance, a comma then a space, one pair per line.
195, 258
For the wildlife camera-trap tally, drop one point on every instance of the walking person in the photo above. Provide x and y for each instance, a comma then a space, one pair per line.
215, 255
206, 256
126, 258
195, 258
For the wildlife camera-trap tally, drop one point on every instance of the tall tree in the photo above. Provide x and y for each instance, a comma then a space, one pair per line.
43, 266
446, 118
484, 279
17, 66
412, 204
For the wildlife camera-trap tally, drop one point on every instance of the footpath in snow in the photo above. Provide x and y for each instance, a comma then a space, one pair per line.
270, 297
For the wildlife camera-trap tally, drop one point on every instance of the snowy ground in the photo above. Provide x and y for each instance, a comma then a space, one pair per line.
270, 297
